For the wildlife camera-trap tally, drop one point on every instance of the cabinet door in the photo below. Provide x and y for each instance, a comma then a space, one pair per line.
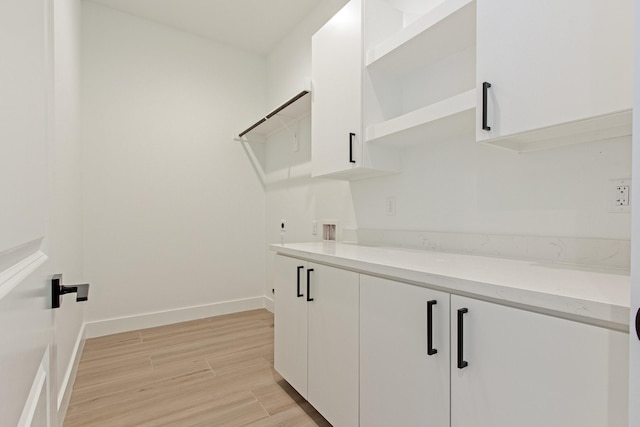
290, 317
400, 383
551, 62
336, 74
530, 370
333, 344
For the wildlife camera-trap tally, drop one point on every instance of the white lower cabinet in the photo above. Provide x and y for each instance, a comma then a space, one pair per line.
401, 384
514, 367
529, 370
291, 322
316, 336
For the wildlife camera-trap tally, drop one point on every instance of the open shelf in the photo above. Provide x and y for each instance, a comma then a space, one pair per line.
448, 28
445, 118
294, 109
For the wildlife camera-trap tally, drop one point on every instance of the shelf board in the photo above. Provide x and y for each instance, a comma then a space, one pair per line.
293, 109
449, 117
596, 128
447, 29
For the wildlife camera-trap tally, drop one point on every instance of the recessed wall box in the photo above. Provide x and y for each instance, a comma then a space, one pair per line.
329, 231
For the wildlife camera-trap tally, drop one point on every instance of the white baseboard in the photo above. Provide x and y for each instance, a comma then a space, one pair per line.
268, 303
64, 394
149, 320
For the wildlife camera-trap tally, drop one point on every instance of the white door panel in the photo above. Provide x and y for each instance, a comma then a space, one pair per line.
290, 353
527, 369
333, 343
26, 395
634, 335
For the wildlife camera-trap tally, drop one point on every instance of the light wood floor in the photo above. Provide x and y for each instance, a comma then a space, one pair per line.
210, 372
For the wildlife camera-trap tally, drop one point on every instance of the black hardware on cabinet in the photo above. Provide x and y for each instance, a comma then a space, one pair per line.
351, 136
461, 361
485, 88
299, 268
430, 350
309, 270
638, 324
57, 289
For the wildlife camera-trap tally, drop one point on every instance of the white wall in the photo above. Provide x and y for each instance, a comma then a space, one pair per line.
462, 186
289, 64
66, 207
174, 213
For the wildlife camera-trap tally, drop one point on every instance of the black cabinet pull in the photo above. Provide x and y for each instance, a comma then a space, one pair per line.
309, 270
461, 361
430, 350
485, 89
300, 267
638, 324
351, 136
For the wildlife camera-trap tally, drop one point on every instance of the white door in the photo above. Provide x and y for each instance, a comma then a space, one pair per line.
333, 344
336, 74
404, 354
26, 393
518, 368
290, 304
634, 329
551, 62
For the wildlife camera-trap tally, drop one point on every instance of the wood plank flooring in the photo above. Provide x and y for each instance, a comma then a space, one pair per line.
210, 372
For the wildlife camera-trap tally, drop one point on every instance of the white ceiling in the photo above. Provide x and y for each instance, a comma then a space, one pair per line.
252, 25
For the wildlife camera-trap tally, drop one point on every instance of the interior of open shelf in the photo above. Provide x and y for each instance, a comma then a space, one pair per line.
419, 70
436, 121
447, 28
284, 115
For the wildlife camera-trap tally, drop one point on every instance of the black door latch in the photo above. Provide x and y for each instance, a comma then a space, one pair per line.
58, 289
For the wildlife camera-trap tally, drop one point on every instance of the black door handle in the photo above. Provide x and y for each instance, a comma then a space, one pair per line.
461, 362
309, 270
58, 289
351, 136
485, 89
298, 288
430, 350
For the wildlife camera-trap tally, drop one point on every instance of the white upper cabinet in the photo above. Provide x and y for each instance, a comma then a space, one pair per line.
560, 71
420, 70
338, 149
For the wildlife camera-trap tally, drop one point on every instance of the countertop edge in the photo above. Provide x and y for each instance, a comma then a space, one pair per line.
599, 313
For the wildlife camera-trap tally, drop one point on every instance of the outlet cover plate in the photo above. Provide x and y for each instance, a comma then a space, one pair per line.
620, 196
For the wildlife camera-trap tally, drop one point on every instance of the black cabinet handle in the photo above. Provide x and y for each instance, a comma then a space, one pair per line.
309, 270
351, 136
638, 324
430, 350
461, 361
485, 88
300, 267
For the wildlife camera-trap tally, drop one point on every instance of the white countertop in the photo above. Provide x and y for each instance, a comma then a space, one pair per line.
597, 295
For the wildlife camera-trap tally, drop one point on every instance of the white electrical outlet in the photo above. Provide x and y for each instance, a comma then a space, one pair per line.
620, 196
390, 206
283, 225
314, 228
